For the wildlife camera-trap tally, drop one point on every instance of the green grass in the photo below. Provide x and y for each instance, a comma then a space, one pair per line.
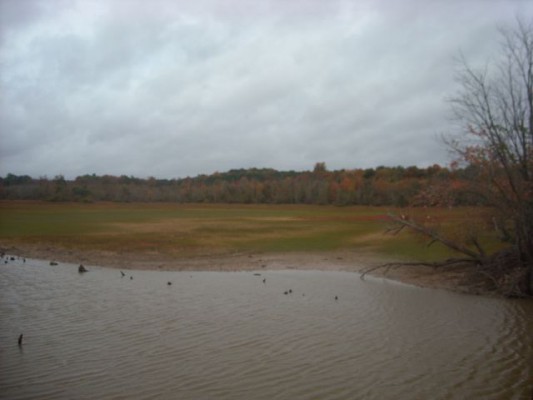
184, 230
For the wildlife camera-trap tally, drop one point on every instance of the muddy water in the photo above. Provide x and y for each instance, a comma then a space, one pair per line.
228, 335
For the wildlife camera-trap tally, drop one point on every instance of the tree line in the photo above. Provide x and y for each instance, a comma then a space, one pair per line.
381, 186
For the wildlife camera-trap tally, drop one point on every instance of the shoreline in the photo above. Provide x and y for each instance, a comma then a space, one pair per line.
452, 279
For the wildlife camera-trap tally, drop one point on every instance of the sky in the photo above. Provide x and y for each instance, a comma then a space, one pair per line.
176, 88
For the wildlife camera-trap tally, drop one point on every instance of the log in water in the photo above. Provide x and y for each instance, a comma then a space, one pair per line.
230, 335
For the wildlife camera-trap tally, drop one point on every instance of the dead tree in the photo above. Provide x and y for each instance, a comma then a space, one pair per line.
401, 222
495, 107
500, 272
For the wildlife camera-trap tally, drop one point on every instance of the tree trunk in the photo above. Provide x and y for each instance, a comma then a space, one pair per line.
530, 274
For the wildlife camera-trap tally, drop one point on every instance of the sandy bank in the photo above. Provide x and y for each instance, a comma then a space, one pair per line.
455, 279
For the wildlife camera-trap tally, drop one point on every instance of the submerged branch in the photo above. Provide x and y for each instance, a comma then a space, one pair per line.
440, 264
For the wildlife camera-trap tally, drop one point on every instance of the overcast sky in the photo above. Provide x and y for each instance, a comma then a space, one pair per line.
179, 88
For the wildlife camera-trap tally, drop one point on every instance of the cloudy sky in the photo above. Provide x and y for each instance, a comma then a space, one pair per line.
178, 88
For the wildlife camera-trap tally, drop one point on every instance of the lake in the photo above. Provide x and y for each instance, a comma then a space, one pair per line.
229, 335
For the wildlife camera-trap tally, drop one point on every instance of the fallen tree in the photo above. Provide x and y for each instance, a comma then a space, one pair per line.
500, 272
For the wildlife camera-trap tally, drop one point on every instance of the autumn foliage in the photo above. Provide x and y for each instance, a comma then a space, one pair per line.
388, 186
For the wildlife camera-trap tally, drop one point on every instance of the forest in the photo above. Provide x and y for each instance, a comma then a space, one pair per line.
381, 186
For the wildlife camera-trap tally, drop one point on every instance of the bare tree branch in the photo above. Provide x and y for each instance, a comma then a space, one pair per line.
435, 236
496, 108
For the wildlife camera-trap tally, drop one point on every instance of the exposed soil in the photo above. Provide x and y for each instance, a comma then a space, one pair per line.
457, 278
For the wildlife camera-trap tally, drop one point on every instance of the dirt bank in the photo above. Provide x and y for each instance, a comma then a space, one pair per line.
455, 279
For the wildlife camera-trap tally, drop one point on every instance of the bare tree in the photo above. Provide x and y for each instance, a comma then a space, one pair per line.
495, 108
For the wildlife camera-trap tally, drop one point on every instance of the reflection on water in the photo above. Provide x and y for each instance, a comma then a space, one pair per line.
214, 335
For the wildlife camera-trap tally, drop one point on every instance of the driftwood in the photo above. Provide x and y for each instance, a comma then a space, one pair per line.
394, 265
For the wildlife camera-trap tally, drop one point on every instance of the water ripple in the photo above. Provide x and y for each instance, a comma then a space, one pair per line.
229, 336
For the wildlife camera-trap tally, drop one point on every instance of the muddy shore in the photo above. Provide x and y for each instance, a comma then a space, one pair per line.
454, 279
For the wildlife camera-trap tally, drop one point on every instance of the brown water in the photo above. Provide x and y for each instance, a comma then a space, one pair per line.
228, 335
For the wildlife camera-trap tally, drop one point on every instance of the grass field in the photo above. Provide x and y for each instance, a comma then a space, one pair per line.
191, 230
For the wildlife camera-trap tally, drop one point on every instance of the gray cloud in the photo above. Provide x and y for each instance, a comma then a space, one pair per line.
178, 88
